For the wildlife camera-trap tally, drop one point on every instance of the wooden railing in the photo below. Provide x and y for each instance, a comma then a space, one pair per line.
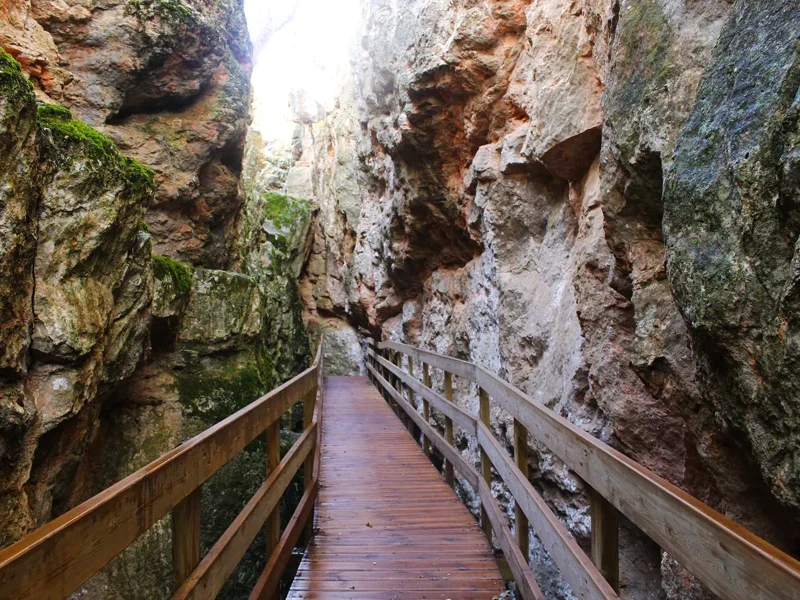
55, 560
732, 562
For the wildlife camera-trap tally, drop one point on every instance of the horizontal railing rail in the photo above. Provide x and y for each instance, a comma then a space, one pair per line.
55, 560
731, 561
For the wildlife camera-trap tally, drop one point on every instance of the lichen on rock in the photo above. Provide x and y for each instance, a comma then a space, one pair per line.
731, 230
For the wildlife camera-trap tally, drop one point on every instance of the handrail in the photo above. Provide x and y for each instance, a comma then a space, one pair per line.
53, 561
730, 560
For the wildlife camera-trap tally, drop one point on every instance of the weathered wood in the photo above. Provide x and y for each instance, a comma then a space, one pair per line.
210, 575
577, 569
448, 426
185, 537
733, 562
426, 407
309, 402
273, 525
459, 368
461, 418
53, 561
268, 584
521, 458
448, 451
388, 524
410, 392
526, 584
486, 465
398, 385
605, 538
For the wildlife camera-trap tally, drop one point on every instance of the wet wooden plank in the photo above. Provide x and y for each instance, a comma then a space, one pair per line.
387, 525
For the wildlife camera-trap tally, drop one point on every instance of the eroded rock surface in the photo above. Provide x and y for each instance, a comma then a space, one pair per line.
77, 296
168, 81
490, 187
140, 306
731, 202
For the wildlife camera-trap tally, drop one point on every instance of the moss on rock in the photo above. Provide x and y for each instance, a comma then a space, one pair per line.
14, 86
172, 11
180, 273
97, 147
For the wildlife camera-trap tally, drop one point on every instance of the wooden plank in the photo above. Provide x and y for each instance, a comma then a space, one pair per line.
486, 465
526, 584
410, 392
185, 537
309, 402
426, 407
461, 418
576, 568
53, 561
210, 575
268, 584
448, 426
448, 451
398, 385
273, 524
733, 562
388, 525
459, 368
521, 459
605, 538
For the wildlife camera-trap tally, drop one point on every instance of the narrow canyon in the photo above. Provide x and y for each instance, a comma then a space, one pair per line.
596, 200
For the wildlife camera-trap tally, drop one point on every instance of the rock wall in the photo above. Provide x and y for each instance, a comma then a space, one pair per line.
143, 300
168, 82
490, 187
77, 287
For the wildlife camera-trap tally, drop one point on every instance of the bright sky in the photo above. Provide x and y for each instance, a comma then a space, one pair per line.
309, 54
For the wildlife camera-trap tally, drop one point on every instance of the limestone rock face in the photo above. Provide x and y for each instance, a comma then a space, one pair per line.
76, 294
121, 333
18, 201
731, 202
489, 186
225, 310
168, 82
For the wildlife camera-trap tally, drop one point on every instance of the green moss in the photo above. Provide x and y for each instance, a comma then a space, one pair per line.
172, 11
287, 214
98, 147
285, 211
143, 226
14, 86
181, 273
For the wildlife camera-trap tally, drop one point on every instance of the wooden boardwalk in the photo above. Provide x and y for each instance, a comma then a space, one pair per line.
388, 525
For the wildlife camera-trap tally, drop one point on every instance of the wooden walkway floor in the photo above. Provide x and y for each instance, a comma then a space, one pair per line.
388, 525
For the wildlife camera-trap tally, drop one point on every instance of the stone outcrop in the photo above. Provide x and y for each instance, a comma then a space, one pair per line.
77, 301
140, 306
730, 202
168, 82
490, 187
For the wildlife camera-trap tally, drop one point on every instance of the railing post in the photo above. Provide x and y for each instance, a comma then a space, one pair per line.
426, 408
448, 427
185, 537
391, 379
486, 464
386, 354
411, 425
398, 385
309, 400
273, 523
521, 457
605, 538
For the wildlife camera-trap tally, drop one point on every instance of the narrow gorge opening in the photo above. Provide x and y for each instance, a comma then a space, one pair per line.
590, 199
